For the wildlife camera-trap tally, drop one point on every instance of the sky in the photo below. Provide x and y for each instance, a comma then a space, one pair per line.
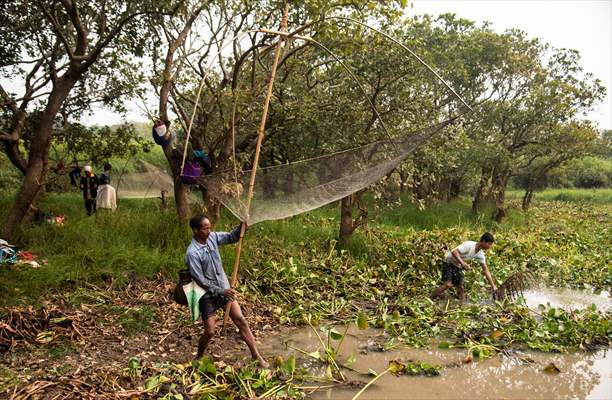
584, 25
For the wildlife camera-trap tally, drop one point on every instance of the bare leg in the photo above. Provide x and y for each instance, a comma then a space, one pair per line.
440, 289
461, 293
209, 331
245, 332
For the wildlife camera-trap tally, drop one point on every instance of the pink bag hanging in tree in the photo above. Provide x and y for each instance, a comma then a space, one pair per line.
191, 173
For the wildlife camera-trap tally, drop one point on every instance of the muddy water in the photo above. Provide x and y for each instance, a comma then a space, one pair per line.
567, 298
582, 376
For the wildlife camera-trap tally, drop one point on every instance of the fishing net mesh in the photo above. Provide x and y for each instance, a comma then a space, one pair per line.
290, 189
149, 181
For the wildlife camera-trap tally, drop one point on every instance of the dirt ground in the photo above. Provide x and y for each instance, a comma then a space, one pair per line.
79, 345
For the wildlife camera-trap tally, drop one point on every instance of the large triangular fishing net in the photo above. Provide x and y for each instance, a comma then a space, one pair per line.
290, 189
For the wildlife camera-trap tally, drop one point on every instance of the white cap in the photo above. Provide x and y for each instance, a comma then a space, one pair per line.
87, 168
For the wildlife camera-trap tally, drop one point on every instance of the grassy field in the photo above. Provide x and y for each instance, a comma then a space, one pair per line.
143, 239
575, 195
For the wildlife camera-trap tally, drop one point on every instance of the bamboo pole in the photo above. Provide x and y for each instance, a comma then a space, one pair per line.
260, 135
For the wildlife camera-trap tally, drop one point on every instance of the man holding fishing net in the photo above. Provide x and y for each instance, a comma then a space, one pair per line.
204, 262
455, 263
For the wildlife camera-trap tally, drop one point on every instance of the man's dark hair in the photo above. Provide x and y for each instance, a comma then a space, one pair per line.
487, 237
196, 222
107, 166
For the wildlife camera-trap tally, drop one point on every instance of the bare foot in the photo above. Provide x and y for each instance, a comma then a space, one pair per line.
262, 362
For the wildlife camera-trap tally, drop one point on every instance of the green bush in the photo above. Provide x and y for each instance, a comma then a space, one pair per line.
10, 177
587, 172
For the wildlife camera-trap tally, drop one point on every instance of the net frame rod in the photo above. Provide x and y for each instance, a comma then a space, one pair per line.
284, 35
260, 136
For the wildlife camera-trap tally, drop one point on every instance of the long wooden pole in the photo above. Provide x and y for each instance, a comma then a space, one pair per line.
260, 135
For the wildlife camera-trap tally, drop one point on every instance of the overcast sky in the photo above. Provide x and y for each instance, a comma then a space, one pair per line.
584, 25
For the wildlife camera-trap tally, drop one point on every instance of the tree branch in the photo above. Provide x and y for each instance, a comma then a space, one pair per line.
56, 28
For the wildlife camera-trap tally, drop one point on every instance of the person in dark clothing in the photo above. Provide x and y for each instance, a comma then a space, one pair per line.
89, 186
204, 160
75, 176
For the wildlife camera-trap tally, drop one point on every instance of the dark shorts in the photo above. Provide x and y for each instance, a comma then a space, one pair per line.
210, 305
452, 273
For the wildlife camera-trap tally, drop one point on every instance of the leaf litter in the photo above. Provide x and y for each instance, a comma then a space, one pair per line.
103, 357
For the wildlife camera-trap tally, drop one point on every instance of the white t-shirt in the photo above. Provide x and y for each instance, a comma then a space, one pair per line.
467, 251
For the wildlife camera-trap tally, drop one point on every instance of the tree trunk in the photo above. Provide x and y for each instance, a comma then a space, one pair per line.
498, 189
216, 214
174, 158
12, 151
527, 198
479, 195
30, 191
180, 190
454, 189
210, 206
181, 199
346, 220
348, 225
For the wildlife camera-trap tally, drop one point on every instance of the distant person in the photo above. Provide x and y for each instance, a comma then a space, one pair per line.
206, 269
89, 186
455, 263
75, 175
106, 197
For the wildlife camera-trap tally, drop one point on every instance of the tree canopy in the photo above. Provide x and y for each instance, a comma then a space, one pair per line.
339, 85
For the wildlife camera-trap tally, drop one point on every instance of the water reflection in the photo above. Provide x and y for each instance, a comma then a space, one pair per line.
567, 298
582, 376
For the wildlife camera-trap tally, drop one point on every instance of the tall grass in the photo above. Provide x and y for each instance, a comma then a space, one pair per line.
140, 238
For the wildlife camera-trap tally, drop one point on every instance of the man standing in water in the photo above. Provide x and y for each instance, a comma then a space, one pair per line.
206, 269
455, 262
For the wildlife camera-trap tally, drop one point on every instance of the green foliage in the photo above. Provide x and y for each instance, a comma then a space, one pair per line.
97, 144
397, 368
10, 177
588, 172
585, 196
294, 267
486, 329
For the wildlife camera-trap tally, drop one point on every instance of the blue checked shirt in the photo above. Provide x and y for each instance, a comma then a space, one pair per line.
204, 262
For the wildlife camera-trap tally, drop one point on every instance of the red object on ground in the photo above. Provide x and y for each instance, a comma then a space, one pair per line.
26, 255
